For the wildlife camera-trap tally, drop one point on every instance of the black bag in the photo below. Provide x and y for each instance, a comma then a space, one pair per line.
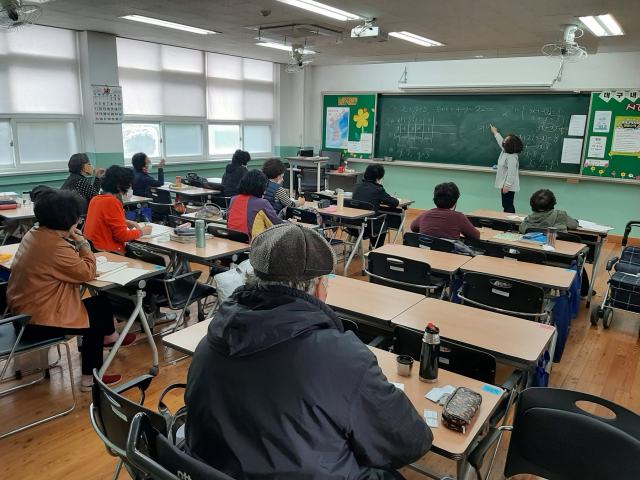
195, 180
174, 422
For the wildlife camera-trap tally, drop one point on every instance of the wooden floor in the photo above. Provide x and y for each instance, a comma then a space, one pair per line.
598, 361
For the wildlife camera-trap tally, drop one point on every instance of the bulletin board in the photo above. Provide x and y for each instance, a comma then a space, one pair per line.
348, 124
612, 143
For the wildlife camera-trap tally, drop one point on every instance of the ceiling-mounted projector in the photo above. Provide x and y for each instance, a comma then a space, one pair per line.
369, 32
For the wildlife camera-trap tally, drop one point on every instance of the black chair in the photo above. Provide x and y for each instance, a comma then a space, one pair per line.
158, 196
153, 454
511, 252
111, 414
174, 221
402, 273
301, 215
419, 240
504, 295
350, 326
229, 234
375, 226
552, 437
314, 197
308, 180
502, 225
12, 346
564, 236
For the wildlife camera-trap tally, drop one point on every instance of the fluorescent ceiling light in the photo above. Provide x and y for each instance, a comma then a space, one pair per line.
410, 37
602, 25
322, 9
478, 87
280, 46
164, 23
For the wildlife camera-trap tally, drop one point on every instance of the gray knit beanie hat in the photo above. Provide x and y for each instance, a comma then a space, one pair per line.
291, 252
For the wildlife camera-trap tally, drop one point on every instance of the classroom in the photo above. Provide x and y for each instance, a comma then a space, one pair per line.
299, 239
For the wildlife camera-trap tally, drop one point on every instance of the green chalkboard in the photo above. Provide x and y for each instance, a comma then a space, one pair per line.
455, 128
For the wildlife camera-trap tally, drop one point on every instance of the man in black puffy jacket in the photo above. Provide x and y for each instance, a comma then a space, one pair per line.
234, 173
278, 390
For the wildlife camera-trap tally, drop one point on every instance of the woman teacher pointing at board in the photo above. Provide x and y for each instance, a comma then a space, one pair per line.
507, 175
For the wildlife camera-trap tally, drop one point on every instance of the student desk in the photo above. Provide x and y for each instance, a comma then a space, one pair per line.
368, 302
308, 162
589, 237
448, 443
192, 218
344, 218
188, 190
137, 200
541, 275
21, 213
186, 340
569, 250
513, 341
100, 286
400, 211
345, 180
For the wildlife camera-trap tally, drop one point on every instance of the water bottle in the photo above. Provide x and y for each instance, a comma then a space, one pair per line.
551, 236
340, 199
430, 352
199, 233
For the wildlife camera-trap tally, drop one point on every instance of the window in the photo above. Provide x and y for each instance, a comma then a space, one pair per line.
141, 137
6, 148
257, 138
223, 139
40, 142
183, 140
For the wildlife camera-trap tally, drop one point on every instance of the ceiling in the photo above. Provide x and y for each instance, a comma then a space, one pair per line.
468, 28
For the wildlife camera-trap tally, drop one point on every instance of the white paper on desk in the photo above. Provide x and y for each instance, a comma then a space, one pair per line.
594, 226
156, 231
104, 266
122, 277
571, 150
516, 217
577, 125
398, 385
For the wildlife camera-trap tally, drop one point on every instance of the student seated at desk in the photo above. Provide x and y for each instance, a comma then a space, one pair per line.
276, 195
444, 221
80, 168
141, 168
544, 215
46, 274
278, 389
234, 172
106, 226
248, 211
371, 191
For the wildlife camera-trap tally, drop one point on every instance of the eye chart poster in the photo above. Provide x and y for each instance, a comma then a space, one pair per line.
107, 104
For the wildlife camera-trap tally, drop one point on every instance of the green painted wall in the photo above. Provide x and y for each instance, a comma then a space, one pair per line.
609, 203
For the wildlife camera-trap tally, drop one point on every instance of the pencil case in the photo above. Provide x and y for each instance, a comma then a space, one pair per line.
460, 409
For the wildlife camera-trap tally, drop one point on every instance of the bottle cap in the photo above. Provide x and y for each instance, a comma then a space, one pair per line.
431, 328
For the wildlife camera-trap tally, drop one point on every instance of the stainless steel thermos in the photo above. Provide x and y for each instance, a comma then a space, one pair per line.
430, 352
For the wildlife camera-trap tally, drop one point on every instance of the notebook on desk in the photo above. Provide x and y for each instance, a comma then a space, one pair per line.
105, 267
116, 272
156, 230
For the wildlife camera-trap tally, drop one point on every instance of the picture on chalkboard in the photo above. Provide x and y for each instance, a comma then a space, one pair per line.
337, 127
626, 136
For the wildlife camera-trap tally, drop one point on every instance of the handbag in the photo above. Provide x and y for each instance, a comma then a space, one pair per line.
175, 422
461, 407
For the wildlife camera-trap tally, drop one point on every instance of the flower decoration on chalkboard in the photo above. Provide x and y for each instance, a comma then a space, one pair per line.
637, 177
631, 175
613, 173
601, 171
593, 169
623, 174
361, 118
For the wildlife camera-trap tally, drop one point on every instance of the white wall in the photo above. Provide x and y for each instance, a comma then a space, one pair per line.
292, 106
599, 71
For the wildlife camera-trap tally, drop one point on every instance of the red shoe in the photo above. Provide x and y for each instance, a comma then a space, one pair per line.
128, 340
106, 379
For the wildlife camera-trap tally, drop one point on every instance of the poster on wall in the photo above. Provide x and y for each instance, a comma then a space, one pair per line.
602, 122
626, 136
337, 127
107, 104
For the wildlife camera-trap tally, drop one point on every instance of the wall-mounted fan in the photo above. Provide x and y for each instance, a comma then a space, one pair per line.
566, 50
298, 60
15, 15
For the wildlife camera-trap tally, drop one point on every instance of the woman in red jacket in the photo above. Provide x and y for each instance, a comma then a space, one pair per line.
106, 226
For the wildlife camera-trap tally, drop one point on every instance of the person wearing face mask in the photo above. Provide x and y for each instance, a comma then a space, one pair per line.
141, 168
507, 175
80, 168
276, 195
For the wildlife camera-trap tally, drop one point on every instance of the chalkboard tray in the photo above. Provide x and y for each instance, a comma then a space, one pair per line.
455, 129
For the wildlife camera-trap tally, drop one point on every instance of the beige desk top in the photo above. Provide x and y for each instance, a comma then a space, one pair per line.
189, 190
404, 202
541, 275
344, 174
500, 335
368, 299
192, 216
497, 215
444, 439
350, 213
562, 248
20, 213
187, 339
213, 247
440, 261
137, 199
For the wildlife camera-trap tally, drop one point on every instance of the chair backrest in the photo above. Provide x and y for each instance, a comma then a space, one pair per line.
314, 197
553, 438
453, 357
140, 253
495, 293
304, 216
501, 225
397, 272
359, 204
512, 252
158, 196
349, 325
152, 453
113, 414
564, 236
229, 234
427, 241
175, 221
220, 200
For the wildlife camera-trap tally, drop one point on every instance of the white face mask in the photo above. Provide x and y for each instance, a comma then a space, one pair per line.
149, 168
129, 193
279, 182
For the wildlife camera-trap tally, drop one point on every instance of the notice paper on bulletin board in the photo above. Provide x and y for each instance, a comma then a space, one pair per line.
107, 104
348, 123
612, 146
